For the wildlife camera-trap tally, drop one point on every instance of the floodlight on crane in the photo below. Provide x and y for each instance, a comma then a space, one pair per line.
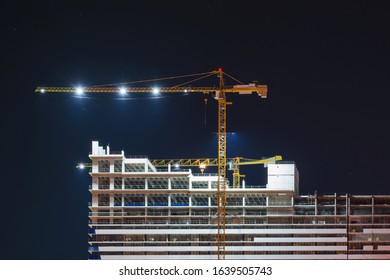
122, 91
79, 90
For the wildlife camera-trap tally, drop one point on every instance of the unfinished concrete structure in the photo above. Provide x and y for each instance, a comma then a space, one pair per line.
141, 212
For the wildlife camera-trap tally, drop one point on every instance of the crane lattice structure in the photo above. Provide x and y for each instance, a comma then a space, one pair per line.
219, 93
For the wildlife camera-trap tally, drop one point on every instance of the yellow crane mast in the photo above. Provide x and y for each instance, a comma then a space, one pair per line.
219, 93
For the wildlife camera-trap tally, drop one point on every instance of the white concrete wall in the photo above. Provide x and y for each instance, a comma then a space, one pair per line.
282, 177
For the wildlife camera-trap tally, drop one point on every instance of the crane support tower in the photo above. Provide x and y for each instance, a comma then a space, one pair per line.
219, 93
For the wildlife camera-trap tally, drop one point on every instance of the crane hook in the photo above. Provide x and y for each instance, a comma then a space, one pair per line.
205, 111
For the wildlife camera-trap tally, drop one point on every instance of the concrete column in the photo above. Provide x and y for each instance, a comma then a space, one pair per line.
94, 183
95, 147
94, 200
95, 166
111, 200
112, 183
111, 166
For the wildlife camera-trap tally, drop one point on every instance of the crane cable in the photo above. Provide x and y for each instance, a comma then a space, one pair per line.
197, 79
160, 79
233, 78
205, 111
207, 74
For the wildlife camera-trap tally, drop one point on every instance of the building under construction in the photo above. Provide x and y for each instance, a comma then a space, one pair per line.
140, 211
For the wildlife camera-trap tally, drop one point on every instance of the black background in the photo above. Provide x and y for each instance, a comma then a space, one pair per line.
326, 65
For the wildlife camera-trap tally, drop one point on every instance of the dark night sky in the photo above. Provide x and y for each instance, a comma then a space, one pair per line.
326, 65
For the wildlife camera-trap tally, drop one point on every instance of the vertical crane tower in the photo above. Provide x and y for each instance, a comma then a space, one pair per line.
219, 95
221, 185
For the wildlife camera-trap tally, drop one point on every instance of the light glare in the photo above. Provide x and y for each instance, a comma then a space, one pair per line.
79, 90
156, 90
122, 91
42, 90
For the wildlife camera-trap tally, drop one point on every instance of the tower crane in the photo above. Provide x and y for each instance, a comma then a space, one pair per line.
239, 161
232, 163
219, 94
